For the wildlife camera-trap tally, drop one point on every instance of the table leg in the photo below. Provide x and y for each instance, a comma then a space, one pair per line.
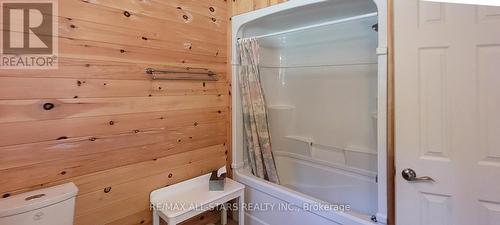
223, 216
156, 218
241, 210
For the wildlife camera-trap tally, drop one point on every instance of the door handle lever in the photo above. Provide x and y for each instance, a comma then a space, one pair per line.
410, 175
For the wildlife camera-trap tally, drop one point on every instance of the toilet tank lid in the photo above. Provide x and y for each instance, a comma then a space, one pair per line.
33, 200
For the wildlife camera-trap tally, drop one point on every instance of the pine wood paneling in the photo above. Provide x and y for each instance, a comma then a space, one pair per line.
33, 88
144, 217
84, 30
108, 207
113, 128
64, 150
243, 6
28, 110
111, 51
169, 25
391, 164
108, 178
97, 199
88, 67
51, 130
39, 173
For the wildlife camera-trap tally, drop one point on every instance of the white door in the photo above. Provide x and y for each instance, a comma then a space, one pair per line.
447, 99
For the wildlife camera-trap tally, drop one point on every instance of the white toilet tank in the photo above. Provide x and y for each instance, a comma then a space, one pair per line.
49, 206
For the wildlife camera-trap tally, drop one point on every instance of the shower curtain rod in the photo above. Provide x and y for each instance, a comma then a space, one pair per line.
319, 25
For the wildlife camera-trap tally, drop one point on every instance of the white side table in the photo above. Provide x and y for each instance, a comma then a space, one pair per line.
182, 201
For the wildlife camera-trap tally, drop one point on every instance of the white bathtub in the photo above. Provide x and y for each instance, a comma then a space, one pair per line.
303, 184
329, 182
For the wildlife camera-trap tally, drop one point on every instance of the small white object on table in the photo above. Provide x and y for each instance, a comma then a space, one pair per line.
184, 200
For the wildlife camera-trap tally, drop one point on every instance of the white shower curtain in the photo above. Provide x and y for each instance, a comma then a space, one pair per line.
256, 127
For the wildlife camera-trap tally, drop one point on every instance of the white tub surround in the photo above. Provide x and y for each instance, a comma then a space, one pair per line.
323, 70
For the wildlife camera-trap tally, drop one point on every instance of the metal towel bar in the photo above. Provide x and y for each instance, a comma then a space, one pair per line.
182, 75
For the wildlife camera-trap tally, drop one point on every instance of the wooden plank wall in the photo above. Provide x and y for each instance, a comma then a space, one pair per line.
243, 6
113, 132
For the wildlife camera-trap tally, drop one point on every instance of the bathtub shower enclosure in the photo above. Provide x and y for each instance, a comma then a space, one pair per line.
323, 70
